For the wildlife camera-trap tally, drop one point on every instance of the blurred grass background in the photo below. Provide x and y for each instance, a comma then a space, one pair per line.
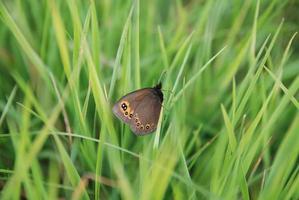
229, 127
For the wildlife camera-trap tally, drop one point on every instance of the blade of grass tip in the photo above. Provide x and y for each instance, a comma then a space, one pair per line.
284, 88
263, 47
8, 104
230, 130
179, 74
163, 49
136, 42
195, 76
286, 52
158, 131
119, 53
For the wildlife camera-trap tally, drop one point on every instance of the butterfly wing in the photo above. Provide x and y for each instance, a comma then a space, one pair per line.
125, 108
146, 115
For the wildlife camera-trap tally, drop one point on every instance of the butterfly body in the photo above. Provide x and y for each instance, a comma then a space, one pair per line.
140, 109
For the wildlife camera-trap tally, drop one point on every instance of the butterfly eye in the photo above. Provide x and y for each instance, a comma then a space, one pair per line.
131, 115
138, 124
126, 113
124, 106
147, 126
142, 127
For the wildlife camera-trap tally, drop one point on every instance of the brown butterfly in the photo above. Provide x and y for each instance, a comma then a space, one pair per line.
140, 109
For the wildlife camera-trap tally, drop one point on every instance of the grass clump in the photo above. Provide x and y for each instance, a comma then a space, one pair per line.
229, 123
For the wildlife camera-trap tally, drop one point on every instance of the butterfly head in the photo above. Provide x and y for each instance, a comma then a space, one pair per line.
158, 91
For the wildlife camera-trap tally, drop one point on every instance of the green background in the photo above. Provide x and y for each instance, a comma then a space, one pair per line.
229, 127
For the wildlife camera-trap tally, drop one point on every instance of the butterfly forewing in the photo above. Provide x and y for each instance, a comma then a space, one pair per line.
130, 101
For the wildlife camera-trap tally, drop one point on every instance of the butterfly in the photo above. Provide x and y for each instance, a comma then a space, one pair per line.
140, 109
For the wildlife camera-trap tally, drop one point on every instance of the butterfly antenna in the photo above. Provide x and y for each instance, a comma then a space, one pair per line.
170, 91
162, 75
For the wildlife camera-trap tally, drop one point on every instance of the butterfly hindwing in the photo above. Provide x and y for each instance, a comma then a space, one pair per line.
146, 116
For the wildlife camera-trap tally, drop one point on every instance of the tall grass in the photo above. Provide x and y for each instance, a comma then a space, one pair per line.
229, 123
